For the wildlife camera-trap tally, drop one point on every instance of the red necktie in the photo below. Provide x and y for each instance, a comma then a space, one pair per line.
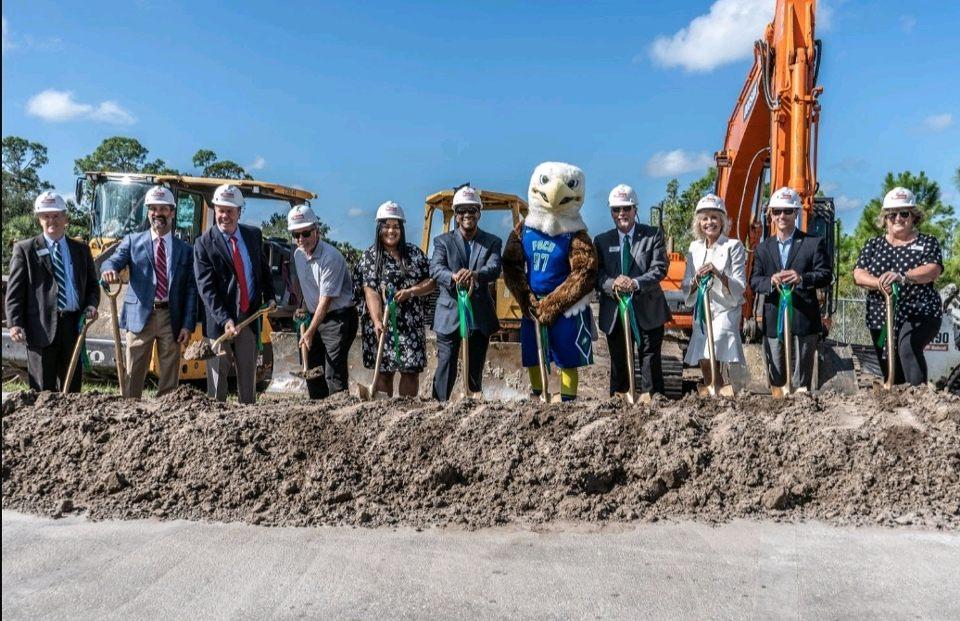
161, 270
241, 275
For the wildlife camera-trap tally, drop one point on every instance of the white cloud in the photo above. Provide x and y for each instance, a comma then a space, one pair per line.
845, 203
676, 162
724, 35
258, 163
908, 23
938, 122
11, 41
58, 106
356, 212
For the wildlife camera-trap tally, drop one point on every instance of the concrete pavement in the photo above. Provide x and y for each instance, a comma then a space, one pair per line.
743, 570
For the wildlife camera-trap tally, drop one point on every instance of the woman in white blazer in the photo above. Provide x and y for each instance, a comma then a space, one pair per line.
712, 252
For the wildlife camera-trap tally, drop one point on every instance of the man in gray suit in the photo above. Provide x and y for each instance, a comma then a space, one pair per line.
52, 284
633, 261
467, 258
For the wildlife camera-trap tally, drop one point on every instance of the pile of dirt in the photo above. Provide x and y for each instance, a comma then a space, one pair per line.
200, 349
876, 458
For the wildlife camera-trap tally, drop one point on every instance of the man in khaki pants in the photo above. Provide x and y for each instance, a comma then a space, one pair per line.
160, 305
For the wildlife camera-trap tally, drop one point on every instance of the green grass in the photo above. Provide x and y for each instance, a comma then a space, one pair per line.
95, 385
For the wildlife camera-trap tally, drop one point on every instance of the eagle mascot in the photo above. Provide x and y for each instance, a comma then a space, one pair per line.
550, 267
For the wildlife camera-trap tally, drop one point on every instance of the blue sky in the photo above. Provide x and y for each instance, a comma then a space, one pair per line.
364, 102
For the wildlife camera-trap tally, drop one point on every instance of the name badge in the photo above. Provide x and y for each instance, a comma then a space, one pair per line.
42, 252
916, 247
613, 249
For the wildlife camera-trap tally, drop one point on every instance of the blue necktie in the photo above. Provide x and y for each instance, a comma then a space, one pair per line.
466, 244
625, 256
61, 275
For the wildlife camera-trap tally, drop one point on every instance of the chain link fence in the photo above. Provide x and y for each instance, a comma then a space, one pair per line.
850, 322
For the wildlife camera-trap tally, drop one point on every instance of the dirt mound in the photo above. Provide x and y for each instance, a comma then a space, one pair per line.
875, 458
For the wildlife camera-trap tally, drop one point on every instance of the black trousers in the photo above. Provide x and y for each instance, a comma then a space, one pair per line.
912, 336
651, 367
330, 349
47, 366
448, 352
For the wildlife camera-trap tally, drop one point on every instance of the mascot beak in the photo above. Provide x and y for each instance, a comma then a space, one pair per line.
555, 193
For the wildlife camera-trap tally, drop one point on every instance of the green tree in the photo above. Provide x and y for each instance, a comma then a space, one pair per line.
22, 161
276, 226
951, 262
938, 221
206, 161
678, 208
121, 154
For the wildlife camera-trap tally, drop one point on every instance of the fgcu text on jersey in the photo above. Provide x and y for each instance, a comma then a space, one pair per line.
548, 259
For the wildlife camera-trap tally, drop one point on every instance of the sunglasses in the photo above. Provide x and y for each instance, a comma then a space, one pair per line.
299, 234
468, 211
782, 212
621, 209
904, 215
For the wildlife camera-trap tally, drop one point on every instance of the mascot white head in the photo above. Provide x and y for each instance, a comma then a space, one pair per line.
555, 198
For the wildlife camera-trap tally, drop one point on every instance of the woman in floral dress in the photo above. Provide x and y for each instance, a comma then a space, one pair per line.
403, 270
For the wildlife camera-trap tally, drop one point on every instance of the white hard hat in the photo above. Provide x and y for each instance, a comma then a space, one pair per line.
710, 202
785, 198
467, 196
899, 198
228, 195
159, 195
301, 217
390, 211
622, 196
49, 202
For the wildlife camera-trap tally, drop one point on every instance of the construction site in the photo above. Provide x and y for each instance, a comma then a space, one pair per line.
746, 500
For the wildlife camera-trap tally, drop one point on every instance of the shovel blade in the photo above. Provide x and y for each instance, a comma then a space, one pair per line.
628, 397
727, 391
365, 393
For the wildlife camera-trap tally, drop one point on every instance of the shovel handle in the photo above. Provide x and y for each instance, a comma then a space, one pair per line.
542, 363
115, 324
243, 324
891, 347
75, 357
628, 342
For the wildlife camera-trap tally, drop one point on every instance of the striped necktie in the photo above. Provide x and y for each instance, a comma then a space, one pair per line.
60, 273
161, 263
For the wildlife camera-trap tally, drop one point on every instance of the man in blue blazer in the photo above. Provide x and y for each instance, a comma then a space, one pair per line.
160, 305
233, 282
469, 258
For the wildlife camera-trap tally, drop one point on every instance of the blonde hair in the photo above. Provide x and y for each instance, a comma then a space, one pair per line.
697, 231
881, 221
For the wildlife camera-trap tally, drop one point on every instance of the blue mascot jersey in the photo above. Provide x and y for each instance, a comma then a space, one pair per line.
570, 339
548, 259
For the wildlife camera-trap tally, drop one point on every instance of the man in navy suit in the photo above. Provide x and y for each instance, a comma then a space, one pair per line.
790, 259
233, 281
470, 259
160, 305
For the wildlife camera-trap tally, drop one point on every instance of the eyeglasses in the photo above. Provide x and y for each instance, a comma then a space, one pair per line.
904, 215
782, 212
469, 211
299, 234
627, 209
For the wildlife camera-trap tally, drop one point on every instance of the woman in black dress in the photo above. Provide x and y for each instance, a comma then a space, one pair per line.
913, 260
403, 269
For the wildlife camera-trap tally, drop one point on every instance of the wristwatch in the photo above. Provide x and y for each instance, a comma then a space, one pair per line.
904, 279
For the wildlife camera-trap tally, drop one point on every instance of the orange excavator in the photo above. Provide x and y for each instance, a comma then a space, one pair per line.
771, 142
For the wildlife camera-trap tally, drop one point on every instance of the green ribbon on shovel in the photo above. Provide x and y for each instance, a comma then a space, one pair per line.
895, 293
786, 303
626, 308
392, 305
84, 357
698, 305
297, 323
465, 312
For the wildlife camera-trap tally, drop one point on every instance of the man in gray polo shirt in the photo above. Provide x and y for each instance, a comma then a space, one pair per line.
327, 291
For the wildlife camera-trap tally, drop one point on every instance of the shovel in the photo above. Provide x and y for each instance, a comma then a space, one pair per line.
305, 373
75, 357
204, 349
891, 343
630, 397
779, 392
117, 348
368, 393
545, 395
465, 356
715, 387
